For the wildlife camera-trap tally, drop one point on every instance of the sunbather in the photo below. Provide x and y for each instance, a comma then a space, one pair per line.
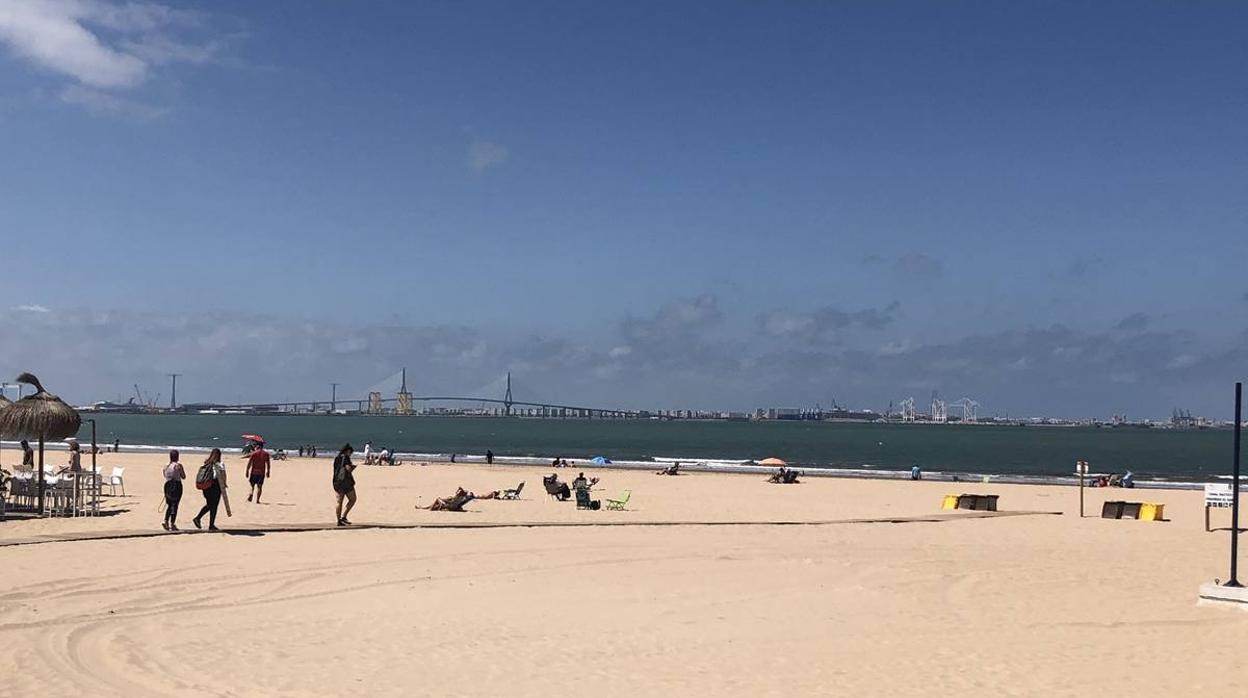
455, 502
673, 469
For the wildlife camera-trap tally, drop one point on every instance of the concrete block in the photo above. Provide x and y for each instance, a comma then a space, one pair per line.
1236, 597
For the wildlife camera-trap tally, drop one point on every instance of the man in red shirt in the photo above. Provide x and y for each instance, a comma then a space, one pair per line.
259, 466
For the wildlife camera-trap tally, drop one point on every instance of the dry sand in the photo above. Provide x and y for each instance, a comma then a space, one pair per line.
1027, 605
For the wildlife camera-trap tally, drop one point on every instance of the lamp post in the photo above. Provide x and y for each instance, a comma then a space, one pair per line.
95, 485
1234, 580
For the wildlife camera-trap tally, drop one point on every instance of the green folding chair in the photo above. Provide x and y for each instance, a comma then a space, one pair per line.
618, 504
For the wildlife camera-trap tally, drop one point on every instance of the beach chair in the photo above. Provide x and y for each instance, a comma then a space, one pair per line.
618, 504
556, 489
512, 494
584, 502
115, 480
455, 503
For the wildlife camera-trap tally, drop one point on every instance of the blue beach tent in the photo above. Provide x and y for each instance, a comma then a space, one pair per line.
599, 460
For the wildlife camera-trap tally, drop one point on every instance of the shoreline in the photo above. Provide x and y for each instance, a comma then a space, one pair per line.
861, 472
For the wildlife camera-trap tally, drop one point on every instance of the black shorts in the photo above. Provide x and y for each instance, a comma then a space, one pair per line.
256, 479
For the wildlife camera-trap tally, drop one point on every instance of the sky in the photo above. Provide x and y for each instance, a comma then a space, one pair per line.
707, 205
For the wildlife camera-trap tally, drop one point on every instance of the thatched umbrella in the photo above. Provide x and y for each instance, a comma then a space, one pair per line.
40, 416
4, 402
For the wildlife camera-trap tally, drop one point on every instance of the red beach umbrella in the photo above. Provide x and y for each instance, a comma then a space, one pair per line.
254, 437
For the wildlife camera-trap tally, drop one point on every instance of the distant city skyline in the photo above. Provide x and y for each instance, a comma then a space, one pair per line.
726, 206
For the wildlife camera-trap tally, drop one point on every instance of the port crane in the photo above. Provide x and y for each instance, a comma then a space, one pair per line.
969, 407
940, 413
147, 401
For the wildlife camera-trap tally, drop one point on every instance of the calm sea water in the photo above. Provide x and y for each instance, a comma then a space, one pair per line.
1033, 451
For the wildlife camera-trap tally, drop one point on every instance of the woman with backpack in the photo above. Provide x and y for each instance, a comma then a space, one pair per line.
211, 480
174, 475
344, 482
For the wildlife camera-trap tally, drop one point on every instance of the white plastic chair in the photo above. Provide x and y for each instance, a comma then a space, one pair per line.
115, 479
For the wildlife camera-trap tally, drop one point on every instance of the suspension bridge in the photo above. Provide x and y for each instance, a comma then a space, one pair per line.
404, 402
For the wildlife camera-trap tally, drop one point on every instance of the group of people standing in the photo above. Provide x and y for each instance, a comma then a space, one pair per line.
210, 479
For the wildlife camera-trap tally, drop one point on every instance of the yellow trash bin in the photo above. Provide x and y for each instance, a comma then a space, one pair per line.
1151, 511
950, 502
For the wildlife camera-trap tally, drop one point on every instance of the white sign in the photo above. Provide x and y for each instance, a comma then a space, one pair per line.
1081, 467
1217, 495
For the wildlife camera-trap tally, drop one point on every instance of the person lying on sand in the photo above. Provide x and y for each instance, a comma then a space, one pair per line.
455, 502
673, 469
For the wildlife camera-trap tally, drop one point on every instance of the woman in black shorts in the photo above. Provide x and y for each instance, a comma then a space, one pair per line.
344, 483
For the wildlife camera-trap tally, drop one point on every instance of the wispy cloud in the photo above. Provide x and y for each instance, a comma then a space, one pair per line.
826, 323
919, 265
103, 47
685, 353
483, 155
1134, 322
100, 102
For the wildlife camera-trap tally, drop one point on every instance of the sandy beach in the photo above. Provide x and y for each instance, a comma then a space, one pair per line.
727, 596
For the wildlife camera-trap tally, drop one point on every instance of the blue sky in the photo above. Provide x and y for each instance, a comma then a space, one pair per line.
1041, 205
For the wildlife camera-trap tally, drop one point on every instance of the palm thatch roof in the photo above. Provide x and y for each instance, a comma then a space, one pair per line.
42, 415
4, 404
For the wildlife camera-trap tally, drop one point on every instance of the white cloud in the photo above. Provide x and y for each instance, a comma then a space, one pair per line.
684, 354
1182, 361
482, 155
895, 348
102, 46
51, 34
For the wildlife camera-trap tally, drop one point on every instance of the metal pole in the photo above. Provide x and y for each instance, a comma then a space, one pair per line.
1234, 580
1083, 467
95, 488
41, 475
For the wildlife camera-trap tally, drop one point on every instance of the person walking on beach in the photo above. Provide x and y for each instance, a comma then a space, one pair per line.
259, 467
174, 475
489, 457
344, 483
210, 479
116, 445
28, 454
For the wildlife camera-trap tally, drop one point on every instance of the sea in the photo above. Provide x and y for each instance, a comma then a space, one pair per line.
951, 451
